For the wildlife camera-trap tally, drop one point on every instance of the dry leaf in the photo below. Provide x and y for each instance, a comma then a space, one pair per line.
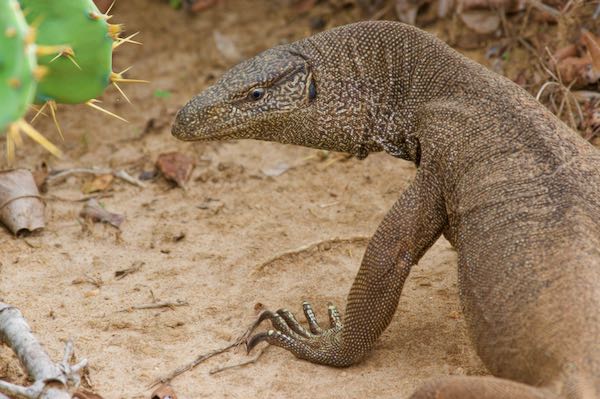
21, 207
592, 43
96, 213
98, 183
480, 21
577, 71
565, 52
163, 392
175, 166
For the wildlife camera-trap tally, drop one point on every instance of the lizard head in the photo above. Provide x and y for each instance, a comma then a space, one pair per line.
255, 100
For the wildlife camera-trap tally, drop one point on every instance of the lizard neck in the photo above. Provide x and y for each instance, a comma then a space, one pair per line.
370, 87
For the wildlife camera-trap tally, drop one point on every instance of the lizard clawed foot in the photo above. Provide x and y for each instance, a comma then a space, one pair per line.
316, 344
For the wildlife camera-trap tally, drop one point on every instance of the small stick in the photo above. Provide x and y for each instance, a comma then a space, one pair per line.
157, 305
59, 176
121, 174
203, 357
308, 247
85, 198
236, 365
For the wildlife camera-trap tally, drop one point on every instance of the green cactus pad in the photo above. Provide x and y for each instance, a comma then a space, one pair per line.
80, 25
17, 64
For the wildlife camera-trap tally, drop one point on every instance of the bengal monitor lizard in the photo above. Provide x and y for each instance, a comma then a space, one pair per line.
513, 189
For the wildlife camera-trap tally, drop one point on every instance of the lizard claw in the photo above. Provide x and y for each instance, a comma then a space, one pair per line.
315, 344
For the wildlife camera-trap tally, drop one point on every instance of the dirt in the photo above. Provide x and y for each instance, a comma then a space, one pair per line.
207, 244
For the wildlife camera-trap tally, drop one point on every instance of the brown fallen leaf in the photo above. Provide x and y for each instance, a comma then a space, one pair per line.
98, 183
163, 392
176, 167
592, 43
92, 210
562, 53
577, 71
21, 207
83, 393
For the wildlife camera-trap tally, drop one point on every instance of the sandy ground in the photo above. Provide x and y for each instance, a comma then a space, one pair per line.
205, 245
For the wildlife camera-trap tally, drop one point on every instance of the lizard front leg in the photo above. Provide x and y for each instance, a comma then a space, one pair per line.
413, 224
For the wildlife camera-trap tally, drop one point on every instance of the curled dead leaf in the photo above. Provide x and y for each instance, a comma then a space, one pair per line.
21, 207
176, 167
163, 392
92, 210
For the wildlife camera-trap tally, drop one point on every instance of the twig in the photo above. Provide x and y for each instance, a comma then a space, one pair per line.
59, 176
157, 305
51, 381
121, 174
85, 198
308, 247
137, 266
242, 364
203, 357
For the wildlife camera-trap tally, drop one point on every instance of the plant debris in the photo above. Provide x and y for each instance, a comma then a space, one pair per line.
176, 167
21, 207
92, 210
137, 266
276, 170
98, 183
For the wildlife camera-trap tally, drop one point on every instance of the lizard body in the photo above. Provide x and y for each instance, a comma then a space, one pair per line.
512, 188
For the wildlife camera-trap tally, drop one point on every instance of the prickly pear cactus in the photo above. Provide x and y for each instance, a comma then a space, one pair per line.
84, 70
17, 64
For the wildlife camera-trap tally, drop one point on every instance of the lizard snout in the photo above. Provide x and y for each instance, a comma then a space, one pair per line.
184, 125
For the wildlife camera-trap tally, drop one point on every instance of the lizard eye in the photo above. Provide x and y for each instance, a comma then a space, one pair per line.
256, 94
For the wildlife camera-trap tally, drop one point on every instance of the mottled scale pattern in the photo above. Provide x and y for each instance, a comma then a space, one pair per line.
514, 190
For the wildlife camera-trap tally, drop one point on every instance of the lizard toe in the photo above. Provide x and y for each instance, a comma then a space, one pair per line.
293, 323
311, 318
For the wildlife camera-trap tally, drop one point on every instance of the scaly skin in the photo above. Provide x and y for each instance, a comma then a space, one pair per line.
514, 190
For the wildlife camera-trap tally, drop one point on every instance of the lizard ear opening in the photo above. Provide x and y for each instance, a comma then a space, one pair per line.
312, 88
